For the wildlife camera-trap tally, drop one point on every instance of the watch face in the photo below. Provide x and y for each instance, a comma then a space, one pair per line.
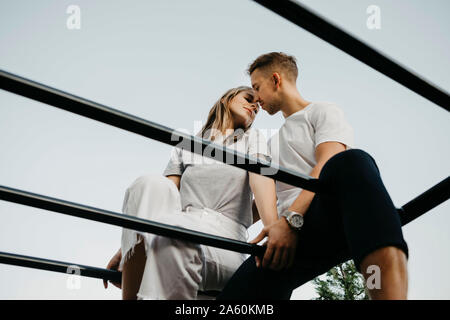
297, 221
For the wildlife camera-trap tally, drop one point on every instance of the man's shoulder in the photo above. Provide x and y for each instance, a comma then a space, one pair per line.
322, 108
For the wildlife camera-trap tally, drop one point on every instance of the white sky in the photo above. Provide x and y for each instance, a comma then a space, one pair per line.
168, 61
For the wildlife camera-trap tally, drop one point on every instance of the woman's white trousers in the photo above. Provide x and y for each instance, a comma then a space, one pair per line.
177, 269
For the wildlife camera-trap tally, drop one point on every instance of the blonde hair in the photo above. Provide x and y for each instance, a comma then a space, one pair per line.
220, 115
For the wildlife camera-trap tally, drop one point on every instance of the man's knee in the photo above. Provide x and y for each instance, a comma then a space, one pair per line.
350, 163
353, 157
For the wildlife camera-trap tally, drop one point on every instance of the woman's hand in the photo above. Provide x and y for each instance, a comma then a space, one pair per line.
114, 265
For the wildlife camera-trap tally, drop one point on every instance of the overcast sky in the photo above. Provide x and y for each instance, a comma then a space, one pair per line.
168, 62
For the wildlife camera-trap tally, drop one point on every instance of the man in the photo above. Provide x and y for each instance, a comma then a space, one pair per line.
353, 216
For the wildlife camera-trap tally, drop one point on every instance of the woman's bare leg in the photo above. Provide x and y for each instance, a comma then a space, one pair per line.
133, 269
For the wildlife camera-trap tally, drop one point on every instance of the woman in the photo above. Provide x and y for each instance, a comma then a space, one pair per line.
201, 194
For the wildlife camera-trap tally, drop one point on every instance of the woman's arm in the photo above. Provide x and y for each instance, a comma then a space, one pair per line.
176, 180
265, 198
255, 212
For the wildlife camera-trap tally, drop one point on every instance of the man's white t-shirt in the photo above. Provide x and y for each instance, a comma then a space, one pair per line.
294, 145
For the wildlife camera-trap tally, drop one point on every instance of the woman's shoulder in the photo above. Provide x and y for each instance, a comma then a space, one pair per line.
252, 131
255, 134
257, 142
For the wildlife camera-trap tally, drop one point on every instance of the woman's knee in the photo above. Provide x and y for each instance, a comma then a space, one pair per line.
149, 195
151, 180
152, 184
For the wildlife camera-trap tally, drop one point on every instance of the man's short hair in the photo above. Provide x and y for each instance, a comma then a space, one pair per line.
276, 60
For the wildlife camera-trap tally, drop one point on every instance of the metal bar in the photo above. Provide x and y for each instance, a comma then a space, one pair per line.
410, 211
126, 221
152, 130
69, 268
59, 266
327, 31
426, 201
163, 134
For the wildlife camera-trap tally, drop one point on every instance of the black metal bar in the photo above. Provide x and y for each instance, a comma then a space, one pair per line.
426, 201
410, 211
327, 31
126, 221
69, 268
293, 12
152, 130
59, 266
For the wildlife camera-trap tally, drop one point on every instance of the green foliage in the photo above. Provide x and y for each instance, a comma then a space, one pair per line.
342, 282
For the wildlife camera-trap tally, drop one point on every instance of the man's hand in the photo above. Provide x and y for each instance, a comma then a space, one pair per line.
114, 265
281, 245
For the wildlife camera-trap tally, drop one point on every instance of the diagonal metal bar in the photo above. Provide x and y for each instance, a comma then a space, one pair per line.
426, 201
125, 221
410, 211
421, 204
152, 130
68, 268
59, 266
327, 31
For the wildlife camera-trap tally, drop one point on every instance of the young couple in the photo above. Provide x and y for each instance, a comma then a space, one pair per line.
307, 233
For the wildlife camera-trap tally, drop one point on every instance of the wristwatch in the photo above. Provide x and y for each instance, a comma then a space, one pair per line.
294, 219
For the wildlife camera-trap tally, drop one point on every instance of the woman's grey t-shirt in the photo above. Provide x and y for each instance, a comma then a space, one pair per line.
207, 183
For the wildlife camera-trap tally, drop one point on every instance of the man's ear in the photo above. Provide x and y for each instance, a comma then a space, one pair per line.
276, 79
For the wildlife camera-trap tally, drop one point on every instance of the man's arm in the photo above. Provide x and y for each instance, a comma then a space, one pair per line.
324, 152
282, 239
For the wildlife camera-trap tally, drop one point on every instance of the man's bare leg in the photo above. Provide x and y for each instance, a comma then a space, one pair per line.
393, 272
132, 272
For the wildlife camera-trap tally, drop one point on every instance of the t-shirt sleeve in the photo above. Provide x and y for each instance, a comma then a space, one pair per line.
330, 124
257, 146
175, 165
